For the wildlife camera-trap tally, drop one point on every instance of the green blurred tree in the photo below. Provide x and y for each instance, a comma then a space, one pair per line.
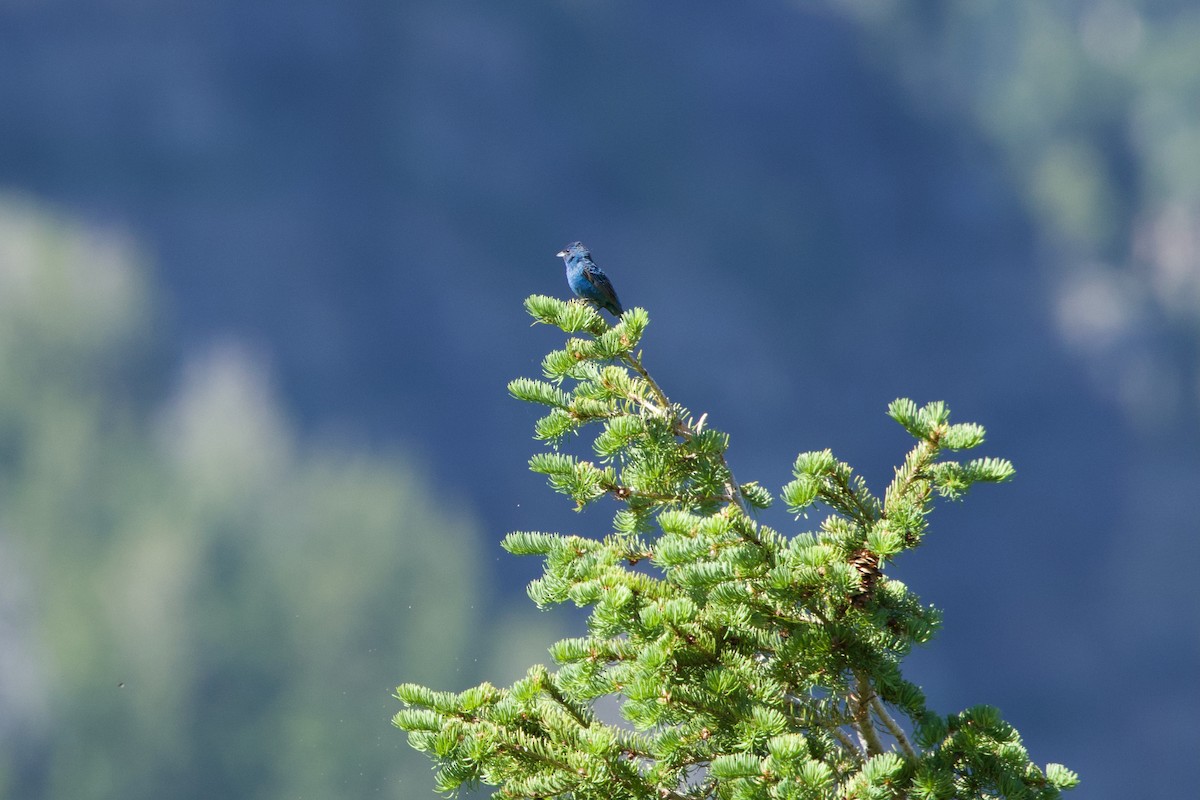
1092, 108
746, 663
196, 602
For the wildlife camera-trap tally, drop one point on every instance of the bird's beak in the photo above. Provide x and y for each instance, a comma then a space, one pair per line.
561, 254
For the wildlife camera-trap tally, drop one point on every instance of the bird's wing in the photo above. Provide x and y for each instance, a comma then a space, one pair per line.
598, 279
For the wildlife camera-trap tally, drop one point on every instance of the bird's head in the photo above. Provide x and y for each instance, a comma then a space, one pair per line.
574, 250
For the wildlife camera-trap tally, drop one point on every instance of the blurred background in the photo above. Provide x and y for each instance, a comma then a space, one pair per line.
261, 272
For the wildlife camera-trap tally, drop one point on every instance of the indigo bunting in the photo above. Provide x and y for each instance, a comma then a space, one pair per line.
587, 281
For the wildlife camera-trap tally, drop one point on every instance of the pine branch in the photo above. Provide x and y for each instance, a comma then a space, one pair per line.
848, 743
627, 493
746, 660
732, 487
636, 365
893, 728
864, 693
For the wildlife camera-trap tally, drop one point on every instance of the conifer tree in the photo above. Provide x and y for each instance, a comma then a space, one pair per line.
746, 663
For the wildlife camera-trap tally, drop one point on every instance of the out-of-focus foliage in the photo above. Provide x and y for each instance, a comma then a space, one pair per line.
194, 601
1093, 103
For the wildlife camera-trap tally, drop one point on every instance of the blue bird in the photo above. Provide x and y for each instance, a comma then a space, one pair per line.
587, 280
